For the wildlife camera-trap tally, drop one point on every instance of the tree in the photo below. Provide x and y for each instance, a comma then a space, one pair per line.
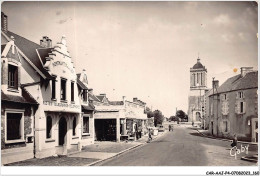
158, 117
149, 112
180, 114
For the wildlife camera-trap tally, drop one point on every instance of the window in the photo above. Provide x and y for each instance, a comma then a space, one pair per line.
85, 95
225, 97
194, 80
240, 95
85, 124
72, 91
53, 89
48, 127
225, 108
12, 76
225, 126
201, 79
74, 124
241, 107
63, 89
14, 126
197, 77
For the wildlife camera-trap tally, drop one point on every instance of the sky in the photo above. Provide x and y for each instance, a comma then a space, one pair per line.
145, 49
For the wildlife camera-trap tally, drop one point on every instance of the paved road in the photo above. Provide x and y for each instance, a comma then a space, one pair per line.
182, 147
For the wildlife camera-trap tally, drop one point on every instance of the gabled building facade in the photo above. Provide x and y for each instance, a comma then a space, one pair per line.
56, 117
18, 107
233, 107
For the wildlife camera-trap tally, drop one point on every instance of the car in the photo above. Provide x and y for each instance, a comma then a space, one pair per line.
161, 128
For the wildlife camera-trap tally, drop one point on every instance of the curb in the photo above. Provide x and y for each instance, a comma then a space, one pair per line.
243, 142
119, 153
248, 159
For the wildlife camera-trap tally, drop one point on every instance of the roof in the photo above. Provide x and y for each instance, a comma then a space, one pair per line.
3, 47
100, 97
25, 98
43, 53
90, 107
81, 85
250, 80
29, 49
93, 97
116, 102
198, 65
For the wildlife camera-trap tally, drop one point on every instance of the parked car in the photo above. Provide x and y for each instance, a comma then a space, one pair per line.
161, 128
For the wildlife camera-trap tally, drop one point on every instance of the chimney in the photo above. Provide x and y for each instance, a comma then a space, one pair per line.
90, 91
103, 94
134, 99
245, 70
215, 84
4, 22
124, 98
46, 42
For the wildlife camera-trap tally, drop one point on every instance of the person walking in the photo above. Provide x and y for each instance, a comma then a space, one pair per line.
149, 135
234, 141
170, 127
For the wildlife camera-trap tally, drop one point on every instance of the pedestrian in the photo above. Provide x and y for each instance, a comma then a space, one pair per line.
234, 141
170, 127
149, 135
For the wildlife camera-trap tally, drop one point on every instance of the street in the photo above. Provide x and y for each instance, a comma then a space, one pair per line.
181, 147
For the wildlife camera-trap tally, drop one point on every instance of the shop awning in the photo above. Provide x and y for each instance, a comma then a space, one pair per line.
88, 108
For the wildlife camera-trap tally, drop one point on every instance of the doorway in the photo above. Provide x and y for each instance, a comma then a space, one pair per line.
62, 130
105, 129
212, 128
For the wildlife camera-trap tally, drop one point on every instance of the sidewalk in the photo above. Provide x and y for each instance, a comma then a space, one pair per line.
90, 155
253, 146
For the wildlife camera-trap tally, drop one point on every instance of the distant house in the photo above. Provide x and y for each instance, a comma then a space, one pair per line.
116, 118
233, 107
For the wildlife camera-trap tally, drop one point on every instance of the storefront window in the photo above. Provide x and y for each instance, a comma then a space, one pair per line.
14, 126
85, 124
48, 127
53, 89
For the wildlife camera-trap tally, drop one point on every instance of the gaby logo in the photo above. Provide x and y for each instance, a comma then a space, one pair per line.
235, 151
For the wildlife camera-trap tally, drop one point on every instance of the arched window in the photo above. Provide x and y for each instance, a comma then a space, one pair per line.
74, 124
48, 127
194, 80
201, 80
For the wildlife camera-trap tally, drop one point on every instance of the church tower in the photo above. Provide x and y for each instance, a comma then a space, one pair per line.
198, 86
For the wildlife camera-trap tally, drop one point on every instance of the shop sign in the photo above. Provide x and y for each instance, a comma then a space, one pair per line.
61, 104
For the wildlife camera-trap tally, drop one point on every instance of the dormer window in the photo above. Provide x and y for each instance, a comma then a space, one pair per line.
12, 76
63, 89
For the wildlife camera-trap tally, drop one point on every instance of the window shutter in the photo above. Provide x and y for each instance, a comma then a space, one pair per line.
236, 108
244, 107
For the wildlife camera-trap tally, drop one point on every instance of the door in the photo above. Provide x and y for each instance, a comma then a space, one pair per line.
62, 130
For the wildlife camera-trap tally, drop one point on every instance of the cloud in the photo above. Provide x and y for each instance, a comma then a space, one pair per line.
222, 19
228, 38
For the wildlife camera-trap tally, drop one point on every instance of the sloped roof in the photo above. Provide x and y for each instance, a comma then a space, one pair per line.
93, 97
100, 97
29, 49
116, 102
43, 53
25, 98
3, 47
81, 85
250, 80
